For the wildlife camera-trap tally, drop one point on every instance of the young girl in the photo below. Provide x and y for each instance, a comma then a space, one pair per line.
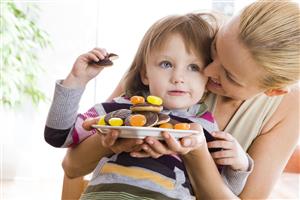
169, 64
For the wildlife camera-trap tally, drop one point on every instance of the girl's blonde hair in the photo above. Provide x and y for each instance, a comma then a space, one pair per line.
197, 32
271, 31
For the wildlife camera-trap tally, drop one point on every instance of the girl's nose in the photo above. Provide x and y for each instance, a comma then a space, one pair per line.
177, 77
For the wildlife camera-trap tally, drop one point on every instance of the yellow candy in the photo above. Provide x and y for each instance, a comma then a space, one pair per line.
101, 120
154, 100
115, 121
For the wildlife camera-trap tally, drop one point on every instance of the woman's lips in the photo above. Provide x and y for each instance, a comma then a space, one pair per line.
176, 93
214, 83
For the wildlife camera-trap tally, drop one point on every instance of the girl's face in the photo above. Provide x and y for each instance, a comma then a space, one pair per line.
175, 75
233, 72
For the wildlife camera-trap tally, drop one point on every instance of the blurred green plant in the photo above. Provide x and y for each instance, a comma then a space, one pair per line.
21, 41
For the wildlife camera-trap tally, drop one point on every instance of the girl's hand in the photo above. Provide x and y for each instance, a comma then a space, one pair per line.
111, 141
232, 153
155, 148
85, 68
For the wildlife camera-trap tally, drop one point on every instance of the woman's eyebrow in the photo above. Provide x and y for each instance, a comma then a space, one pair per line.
232, 76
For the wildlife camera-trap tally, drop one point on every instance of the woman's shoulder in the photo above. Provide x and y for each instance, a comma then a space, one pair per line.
287, 112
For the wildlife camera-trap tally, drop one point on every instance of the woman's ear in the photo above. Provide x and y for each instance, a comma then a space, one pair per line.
144, 77
276, 92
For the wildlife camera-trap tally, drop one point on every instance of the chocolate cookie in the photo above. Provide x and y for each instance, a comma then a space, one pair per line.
162, 118
142, 107
107, 61
122, 113
152, 118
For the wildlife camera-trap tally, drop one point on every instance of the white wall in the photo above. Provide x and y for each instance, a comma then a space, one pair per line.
75, 27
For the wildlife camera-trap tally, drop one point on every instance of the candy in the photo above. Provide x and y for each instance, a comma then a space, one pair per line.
101, 120
182, 126
137, 99
166, 125
137, 120
154, 100
115, 121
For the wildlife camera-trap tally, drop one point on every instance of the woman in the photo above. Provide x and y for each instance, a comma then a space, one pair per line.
253, 97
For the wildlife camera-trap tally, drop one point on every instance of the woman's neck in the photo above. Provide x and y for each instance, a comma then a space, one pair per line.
225, 110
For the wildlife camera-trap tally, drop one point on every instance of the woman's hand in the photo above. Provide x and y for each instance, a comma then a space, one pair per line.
85, 68
232, 153
155, 148
111, 141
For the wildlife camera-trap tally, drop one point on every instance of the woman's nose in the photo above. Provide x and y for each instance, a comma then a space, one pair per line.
211, 70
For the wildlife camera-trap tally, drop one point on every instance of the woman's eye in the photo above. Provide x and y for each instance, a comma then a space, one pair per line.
194, 68
231, 80
165, 64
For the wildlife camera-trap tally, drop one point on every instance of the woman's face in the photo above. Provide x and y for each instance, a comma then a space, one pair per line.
233, 73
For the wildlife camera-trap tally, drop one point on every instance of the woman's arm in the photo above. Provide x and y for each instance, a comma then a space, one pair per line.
272, 149
204, 175
270, 152
83, 158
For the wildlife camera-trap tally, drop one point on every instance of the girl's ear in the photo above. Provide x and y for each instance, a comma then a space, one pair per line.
276, 92
144, 77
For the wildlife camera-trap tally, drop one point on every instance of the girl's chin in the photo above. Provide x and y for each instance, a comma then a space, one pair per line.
175, 106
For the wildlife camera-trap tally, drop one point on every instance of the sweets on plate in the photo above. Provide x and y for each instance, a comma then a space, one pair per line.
142, 114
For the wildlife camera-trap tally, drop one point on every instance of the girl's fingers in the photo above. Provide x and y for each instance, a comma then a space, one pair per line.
224, 161
220, 144
111, 138
90, 56
173, 144
157, 146
139, 154
223, 154
150, 151
87, 124
129, 145
102, 50
98, 53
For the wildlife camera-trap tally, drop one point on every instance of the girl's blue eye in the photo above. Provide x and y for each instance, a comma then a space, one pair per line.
165, 64
194, 67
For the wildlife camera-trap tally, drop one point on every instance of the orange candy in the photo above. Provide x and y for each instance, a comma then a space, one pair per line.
137, 120
137, 99
166, 125
182, 126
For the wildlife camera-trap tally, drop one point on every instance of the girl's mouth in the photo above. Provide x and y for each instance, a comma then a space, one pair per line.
176, 93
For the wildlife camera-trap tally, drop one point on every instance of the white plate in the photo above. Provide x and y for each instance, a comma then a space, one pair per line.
142, 132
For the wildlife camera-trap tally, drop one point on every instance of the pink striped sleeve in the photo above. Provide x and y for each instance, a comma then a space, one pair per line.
79, 133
